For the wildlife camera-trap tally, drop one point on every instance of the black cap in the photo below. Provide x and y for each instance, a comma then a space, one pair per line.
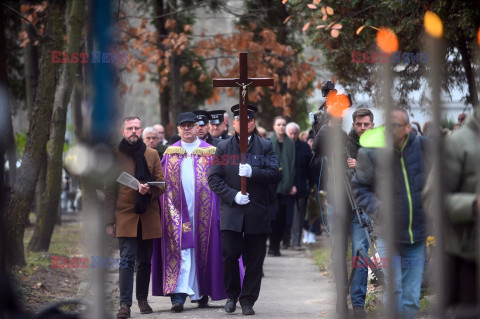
186, 117
251, 110
202, 117
216, 117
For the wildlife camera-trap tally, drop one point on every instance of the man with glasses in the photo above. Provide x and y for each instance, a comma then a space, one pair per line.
132, 215
203, 131
407, 264
187, 261
244, 219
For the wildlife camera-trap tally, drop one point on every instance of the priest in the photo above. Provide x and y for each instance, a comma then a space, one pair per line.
187, 261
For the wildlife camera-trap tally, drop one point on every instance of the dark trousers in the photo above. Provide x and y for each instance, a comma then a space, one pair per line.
278, 224
134, 249
461, 286
252, 248
300, 210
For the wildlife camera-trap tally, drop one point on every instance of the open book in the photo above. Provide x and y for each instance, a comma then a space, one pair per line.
130, 181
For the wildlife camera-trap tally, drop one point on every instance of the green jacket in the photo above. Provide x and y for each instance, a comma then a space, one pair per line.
286, 160
460, 190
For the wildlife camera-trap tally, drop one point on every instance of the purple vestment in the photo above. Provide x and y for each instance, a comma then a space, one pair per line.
177, 227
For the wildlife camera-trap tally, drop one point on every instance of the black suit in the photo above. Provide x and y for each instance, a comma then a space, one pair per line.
211, 140
244, 227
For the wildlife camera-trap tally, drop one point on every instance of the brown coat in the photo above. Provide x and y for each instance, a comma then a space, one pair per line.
120, 199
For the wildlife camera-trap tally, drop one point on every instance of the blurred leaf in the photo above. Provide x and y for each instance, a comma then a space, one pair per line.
286, 19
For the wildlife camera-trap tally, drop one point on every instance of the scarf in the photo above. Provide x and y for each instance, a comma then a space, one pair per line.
141, 170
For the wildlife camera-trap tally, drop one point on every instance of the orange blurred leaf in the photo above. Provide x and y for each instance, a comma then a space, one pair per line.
320, 26
286, 19
147, 91
360, 29
312, 6
311, 59
387, 40
334, 33
284, 1
330, 11
433, 24
183, 70
337, 26
328, 26
337, 103
316, 1
306, 26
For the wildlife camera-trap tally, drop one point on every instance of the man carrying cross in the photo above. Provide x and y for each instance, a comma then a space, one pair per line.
244, 219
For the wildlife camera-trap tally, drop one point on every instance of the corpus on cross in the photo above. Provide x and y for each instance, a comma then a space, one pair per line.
243, 82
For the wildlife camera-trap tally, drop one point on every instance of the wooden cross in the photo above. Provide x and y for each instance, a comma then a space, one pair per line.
243, 82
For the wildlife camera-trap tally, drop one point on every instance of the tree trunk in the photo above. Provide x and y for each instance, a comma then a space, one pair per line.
30, 58
164, 97
40, 187
38, 134
47, 214
467, 65
5, 120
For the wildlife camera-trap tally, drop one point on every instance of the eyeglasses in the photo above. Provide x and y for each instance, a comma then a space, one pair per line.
188, 125
131, 128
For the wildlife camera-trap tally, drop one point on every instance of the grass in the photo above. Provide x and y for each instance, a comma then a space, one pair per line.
65, 242
66, 239
322, 259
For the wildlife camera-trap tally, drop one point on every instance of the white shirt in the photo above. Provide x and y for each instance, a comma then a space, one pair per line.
187, 281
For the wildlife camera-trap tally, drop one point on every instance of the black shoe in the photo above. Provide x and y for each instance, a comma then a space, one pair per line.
270, 252
231, 306
177, 307
247, 310
359, 312
277, 253
203, 302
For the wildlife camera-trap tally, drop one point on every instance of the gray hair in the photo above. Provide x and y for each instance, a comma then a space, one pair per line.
293, 125
149, 129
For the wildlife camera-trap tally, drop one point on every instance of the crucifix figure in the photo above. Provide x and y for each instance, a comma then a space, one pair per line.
243, 82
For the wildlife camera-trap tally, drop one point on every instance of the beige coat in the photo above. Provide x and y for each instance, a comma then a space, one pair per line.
120, 199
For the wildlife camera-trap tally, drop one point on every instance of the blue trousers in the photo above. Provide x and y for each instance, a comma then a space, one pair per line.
406, 267
358, 289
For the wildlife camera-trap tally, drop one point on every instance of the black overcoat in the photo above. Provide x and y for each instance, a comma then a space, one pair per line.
223, 179
211, 140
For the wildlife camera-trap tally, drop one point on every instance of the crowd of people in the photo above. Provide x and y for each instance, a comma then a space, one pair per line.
199, 236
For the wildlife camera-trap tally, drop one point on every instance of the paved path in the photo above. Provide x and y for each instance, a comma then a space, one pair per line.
293, 287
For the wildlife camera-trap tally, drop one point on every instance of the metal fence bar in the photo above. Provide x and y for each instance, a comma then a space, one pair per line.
436, 163
336, 147
102, 123
386, 183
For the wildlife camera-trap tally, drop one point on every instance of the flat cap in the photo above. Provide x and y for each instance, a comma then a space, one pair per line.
186, 117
